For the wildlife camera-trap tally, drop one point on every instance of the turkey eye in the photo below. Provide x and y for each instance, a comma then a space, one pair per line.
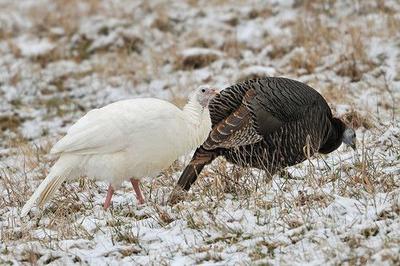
203, 90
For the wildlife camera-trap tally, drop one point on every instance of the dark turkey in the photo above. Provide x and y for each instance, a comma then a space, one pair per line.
267, 123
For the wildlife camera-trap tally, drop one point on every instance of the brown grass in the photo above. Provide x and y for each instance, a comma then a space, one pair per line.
292, 204
283, 204
10, 122
195, 61
356, 120
355, 61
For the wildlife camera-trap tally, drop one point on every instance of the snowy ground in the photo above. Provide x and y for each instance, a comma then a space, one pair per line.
59, 59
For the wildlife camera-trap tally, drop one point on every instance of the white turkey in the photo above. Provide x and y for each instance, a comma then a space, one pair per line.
129, 139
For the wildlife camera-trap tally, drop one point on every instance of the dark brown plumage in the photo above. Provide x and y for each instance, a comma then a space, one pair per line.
267, 123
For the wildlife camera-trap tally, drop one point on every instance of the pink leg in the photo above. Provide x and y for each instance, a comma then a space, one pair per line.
109, 196
139, 196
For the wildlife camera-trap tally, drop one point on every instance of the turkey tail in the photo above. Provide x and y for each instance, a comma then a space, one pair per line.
200, 159
58, 173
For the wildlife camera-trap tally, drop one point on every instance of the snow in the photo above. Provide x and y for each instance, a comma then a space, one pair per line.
341, 208
31, 47
250, 33
195, 51
259, 71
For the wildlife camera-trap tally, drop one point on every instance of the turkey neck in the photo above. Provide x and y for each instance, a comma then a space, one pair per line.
198, 122
335, 136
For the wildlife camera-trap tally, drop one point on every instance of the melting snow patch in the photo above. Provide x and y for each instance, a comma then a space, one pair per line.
250, 33
31, 47
257, 71
200, 52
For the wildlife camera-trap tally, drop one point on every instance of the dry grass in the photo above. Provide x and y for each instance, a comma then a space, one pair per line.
284, 212
315, 37
188, 62
65, 13
293, 203
10, 122
356, 120
355, 61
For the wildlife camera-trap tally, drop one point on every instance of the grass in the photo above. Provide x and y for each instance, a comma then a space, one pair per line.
229, 210
195, 61
10, 122
292, 203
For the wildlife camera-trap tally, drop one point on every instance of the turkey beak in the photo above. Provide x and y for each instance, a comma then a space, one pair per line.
214, 92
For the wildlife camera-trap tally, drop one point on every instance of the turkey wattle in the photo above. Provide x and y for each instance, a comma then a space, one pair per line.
128, 139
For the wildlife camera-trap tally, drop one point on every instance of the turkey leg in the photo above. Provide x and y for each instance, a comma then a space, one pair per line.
108, 197
139, 196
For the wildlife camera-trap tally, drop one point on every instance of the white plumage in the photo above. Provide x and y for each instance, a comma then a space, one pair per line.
124, 140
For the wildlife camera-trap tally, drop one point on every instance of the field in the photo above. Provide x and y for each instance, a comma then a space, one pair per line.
59, 59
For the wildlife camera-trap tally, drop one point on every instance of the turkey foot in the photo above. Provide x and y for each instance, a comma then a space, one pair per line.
135, 184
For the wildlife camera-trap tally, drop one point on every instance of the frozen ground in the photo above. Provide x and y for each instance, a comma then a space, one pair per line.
59, 59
